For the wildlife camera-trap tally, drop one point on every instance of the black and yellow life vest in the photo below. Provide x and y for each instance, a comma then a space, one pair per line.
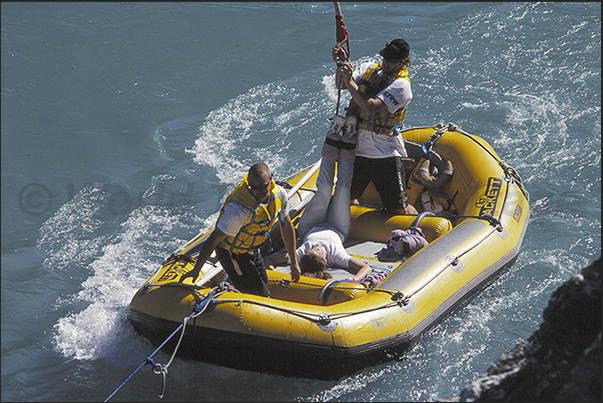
253, 234
370, 85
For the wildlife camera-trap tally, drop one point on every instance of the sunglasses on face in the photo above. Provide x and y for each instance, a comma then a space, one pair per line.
260, 187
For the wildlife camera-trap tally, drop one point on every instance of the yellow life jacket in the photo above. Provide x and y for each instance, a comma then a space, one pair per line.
381, 122
253, 234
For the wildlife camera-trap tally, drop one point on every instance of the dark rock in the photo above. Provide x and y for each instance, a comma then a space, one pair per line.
561, 361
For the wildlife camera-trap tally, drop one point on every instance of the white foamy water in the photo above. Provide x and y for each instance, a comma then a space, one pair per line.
125, 125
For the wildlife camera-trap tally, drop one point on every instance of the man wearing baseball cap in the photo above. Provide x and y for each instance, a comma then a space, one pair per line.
380, 95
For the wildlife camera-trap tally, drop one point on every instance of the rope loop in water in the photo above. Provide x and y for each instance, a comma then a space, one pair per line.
161, 368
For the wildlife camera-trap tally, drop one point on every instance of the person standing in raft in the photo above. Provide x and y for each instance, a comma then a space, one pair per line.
380, 95
243, 224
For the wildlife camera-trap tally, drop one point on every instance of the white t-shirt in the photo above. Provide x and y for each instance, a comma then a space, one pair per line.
395, 96
331, 241
236, 216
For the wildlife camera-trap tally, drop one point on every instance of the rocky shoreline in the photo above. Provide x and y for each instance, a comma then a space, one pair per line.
561, 361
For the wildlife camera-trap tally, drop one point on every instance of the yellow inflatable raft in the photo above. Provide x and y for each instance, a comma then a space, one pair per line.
474, 217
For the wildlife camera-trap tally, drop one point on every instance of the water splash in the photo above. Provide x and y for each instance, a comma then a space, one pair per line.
120, 258
234, 136
99, 330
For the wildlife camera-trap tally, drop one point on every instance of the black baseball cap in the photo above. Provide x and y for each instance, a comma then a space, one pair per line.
395, 50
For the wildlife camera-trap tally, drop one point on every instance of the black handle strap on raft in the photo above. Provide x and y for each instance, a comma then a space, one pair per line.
178, 257
326, 290
487, 217
162, 369
417, 221
494, 222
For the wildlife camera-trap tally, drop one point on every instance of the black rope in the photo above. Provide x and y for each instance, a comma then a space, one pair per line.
491, 220
286, 185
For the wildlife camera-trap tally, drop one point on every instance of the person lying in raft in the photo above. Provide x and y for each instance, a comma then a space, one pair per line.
325, 224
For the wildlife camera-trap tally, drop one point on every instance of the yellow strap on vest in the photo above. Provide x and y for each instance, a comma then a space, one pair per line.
253, 234
380, 122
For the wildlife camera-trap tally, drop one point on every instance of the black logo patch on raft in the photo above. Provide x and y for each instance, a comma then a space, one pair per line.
517, 214
487, 202
172, 274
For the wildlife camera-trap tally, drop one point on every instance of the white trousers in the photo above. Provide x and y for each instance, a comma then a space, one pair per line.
324, 211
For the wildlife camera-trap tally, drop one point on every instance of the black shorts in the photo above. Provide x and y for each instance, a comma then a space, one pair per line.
388, 176
246, 271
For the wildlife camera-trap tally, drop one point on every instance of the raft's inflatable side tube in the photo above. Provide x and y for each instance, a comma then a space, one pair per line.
376, 225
